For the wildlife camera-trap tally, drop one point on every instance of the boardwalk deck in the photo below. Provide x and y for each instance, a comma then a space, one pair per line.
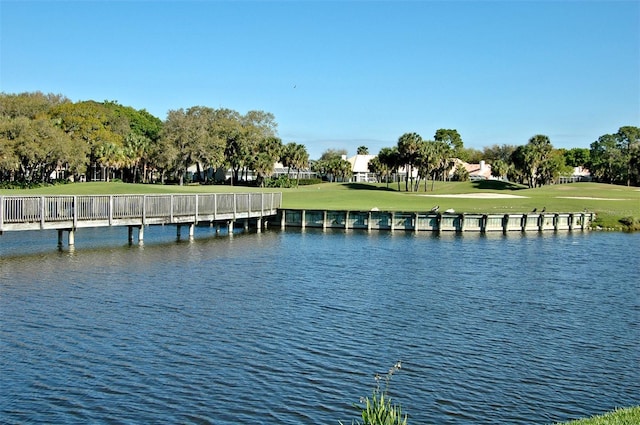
19, 213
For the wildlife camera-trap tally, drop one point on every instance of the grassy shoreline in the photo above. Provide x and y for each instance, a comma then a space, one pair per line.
625, 416
611, 203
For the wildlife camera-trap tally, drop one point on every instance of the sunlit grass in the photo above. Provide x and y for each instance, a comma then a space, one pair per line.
629, 416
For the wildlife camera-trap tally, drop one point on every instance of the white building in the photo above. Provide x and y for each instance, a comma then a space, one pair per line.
360, 169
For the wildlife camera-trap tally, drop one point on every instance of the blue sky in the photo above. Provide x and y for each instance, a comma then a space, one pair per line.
341, 74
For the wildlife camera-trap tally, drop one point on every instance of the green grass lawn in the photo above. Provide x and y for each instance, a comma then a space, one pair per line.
629, 416
609, 202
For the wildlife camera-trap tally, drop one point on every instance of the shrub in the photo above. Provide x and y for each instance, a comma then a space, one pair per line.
630, 223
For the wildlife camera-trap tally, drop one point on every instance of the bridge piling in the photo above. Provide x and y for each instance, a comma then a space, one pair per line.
140, 233
71, 240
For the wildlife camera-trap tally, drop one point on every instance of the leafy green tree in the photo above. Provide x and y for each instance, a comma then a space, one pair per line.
470, 155
32, 149
256, 126
9, 161
552, 167
363, 150
140, 141
93, 124
208, 145
576, 157
535, 161
495, 152
452, 138
628, 138
332, 154
29, 105
606, 159
178, 139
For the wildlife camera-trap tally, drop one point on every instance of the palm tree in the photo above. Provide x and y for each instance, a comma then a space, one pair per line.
269, 151
390, 158
408, 147
295, 156
378, 168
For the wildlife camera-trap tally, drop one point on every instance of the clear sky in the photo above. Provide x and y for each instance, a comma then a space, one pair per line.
341, 74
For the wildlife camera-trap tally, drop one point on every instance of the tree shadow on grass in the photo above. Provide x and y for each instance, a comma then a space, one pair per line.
365, 186
497, 185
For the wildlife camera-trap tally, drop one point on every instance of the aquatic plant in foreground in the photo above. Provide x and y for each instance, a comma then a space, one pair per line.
379, 409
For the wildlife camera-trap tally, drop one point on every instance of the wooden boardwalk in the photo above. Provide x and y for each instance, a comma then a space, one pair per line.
68, 213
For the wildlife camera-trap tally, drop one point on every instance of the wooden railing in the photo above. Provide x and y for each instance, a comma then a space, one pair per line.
58, 212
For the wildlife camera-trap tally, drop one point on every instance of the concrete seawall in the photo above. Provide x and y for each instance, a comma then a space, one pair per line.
434, 222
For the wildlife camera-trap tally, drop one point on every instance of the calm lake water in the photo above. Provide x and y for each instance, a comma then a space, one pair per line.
289, 327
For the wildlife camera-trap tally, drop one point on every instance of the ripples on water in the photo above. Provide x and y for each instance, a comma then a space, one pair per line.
289, 327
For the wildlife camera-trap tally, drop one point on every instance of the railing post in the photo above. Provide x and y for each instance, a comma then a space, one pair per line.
110, 210
144, 209
42, 212
215, 205
75, 212
195, 218
171, 212
235, 204
1, 212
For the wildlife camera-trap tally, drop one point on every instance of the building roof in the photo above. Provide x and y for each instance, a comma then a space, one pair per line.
360, 163
475, 170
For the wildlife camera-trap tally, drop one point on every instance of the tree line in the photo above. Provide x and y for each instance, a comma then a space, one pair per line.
45, 137
613, 158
